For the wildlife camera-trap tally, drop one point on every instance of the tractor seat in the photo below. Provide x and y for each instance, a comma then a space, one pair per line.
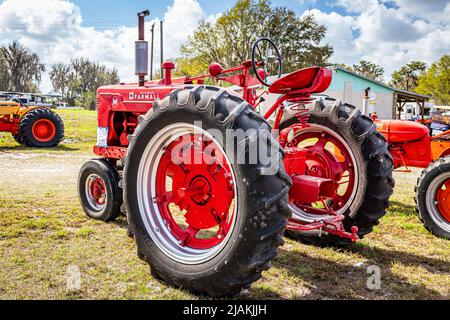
309, 80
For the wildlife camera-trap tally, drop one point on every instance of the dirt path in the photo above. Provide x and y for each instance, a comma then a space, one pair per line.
25, 170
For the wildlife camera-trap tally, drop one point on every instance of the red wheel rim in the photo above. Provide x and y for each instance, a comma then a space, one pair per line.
96, 191
44, 130
328, 157
443, 200
195, 192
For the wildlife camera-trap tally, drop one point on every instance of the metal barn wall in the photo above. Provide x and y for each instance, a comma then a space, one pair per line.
351, 89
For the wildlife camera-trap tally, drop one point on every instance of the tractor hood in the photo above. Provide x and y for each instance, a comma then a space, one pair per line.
398, 131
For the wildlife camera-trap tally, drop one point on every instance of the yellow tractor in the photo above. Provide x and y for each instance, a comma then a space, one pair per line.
33, 126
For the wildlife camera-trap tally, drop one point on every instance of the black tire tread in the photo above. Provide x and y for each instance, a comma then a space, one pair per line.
17, 139
230, 278
421, 186
28, 119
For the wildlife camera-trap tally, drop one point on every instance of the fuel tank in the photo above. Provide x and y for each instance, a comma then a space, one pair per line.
399, 131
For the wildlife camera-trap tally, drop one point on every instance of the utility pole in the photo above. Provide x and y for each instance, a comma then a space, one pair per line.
162, 48
152, 49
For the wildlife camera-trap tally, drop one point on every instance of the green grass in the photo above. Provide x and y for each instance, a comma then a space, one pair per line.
44, 233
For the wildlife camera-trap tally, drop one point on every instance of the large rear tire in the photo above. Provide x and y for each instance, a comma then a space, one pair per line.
222, 263
41, 128
372, 163
433, 198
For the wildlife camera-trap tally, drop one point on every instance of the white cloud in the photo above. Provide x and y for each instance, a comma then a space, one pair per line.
388, 32
181, 19
53, 29
339, 35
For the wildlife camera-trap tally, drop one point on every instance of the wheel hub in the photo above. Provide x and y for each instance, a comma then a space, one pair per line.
96, 191
200, 191
193, 175
327, 156
443, 200
44, 130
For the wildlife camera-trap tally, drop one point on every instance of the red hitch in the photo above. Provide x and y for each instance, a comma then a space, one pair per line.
332, 225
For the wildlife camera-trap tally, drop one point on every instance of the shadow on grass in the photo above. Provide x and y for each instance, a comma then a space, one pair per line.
387, 257
403, 209
60, 148
339, 281
336, 280
378, 255
121, 222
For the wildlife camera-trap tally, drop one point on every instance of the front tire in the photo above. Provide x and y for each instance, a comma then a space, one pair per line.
98, 190
433, 198
168, 239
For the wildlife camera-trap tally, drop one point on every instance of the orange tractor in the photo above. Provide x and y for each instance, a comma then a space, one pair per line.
410, 145
32, 126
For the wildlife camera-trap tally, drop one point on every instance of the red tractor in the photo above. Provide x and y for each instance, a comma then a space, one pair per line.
410, 145
201, 178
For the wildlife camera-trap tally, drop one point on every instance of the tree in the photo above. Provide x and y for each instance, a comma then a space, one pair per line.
343, 65
4, 81
229, 40
78, 81
60, 77
407, 77
369, 69
436, 81
23, 68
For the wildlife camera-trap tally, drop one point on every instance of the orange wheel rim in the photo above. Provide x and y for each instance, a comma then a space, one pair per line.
44, 130
443, 200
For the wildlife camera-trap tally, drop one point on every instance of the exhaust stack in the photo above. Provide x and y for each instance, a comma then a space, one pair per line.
142, 49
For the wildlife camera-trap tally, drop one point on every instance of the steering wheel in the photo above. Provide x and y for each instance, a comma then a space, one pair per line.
265, 54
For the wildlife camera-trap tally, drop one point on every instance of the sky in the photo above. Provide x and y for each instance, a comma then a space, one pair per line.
388, 32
